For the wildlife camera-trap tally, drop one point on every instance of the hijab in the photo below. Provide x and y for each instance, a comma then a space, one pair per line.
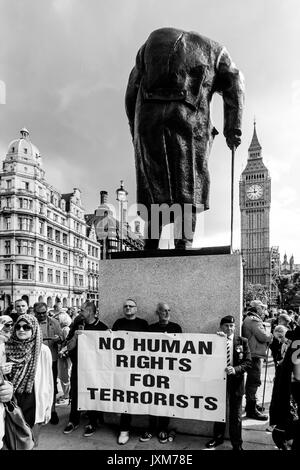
24, 355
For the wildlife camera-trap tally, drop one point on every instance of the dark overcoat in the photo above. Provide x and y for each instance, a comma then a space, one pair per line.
168, 106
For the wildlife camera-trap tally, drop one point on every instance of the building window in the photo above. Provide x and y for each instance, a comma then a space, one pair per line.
7, 223
63, 221
65, 239
25, 223
89, 249
49, 232
97, 253
25, 151
57, 275
7, 204
41, 274
58, 257
7, 247
41, 227
80, 280
41, 208
41, 250
57, 236
65, 278
25, 203
50, 275
75, 279
25, 185
8, 184
75, 260
7, 271
50, 253
25, 247
89, 265
65, 258
25, 271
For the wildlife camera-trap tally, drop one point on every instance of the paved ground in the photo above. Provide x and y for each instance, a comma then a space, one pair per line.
254, 433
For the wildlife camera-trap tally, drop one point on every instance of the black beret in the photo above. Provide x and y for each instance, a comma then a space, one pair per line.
227, 319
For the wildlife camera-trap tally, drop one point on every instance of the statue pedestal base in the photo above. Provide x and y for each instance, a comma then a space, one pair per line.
199, 288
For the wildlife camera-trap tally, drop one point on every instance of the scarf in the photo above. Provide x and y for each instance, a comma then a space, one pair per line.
24, 355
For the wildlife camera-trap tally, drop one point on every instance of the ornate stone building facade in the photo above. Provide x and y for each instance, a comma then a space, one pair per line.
46, 248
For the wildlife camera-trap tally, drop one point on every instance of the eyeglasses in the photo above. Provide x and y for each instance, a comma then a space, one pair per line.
130, 306
8, 325
23, 327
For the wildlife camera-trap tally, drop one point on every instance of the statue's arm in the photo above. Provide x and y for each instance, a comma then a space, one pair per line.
132, 89
230, 83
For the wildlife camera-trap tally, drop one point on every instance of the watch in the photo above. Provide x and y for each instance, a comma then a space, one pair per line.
255, 191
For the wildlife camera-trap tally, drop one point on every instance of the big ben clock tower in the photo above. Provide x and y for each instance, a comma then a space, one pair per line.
255, 202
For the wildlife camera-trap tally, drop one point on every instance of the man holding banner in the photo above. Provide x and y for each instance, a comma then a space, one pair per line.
86, 320
164, 325
129, 323
238, 362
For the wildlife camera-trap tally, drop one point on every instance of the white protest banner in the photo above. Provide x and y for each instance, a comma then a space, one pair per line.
179, 375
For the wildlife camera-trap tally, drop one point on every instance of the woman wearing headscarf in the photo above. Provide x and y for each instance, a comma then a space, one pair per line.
6, 324
31, 373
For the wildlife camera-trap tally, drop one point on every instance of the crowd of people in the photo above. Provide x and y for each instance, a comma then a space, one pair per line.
38, 347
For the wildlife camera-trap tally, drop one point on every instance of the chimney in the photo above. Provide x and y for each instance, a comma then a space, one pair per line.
103, 197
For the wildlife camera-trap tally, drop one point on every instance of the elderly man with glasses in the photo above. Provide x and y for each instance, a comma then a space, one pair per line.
130, 322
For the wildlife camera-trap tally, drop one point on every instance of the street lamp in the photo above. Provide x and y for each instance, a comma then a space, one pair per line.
121, 198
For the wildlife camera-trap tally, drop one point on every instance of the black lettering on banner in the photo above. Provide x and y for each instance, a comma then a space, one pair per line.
104, 394
92, 392
117, 343
207, 347
197, 399
160, 398
118, 394
146, 398
156, 361
132, 396
166, 346
171, 361
142, 362
121, 360
185, 364
139, 344
182, 401
211, 403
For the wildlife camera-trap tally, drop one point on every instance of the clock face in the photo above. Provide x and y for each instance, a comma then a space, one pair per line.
255, 191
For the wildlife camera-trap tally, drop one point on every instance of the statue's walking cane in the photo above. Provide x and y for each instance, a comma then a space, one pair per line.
232, 196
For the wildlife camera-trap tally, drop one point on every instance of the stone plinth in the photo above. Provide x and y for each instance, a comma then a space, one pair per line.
200, 290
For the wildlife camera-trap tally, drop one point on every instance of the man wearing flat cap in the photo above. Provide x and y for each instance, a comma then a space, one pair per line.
254, 330
238, 362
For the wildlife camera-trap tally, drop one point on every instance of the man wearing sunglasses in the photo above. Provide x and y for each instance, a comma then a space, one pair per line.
52, 337
130, 322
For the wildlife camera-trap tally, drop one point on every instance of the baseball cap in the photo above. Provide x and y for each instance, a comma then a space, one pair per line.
257, 303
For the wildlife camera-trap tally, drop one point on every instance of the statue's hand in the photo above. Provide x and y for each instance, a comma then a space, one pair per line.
233, 139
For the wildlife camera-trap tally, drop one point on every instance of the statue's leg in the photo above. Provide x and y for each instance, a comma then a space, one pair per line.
153, 233
184, 228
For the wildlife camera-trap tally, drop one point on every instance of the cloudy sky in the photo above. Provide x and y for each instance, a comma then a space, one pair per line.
66, 63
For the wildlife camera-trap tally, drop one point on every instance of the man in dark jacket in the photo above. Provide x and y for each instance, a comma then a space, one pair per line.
254, 330
240, 362
86, 320
161, 423
130, 322
168, 107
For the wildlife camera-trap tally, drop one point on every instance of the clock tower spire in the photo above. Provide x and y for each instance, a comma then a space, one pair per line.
255, 203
